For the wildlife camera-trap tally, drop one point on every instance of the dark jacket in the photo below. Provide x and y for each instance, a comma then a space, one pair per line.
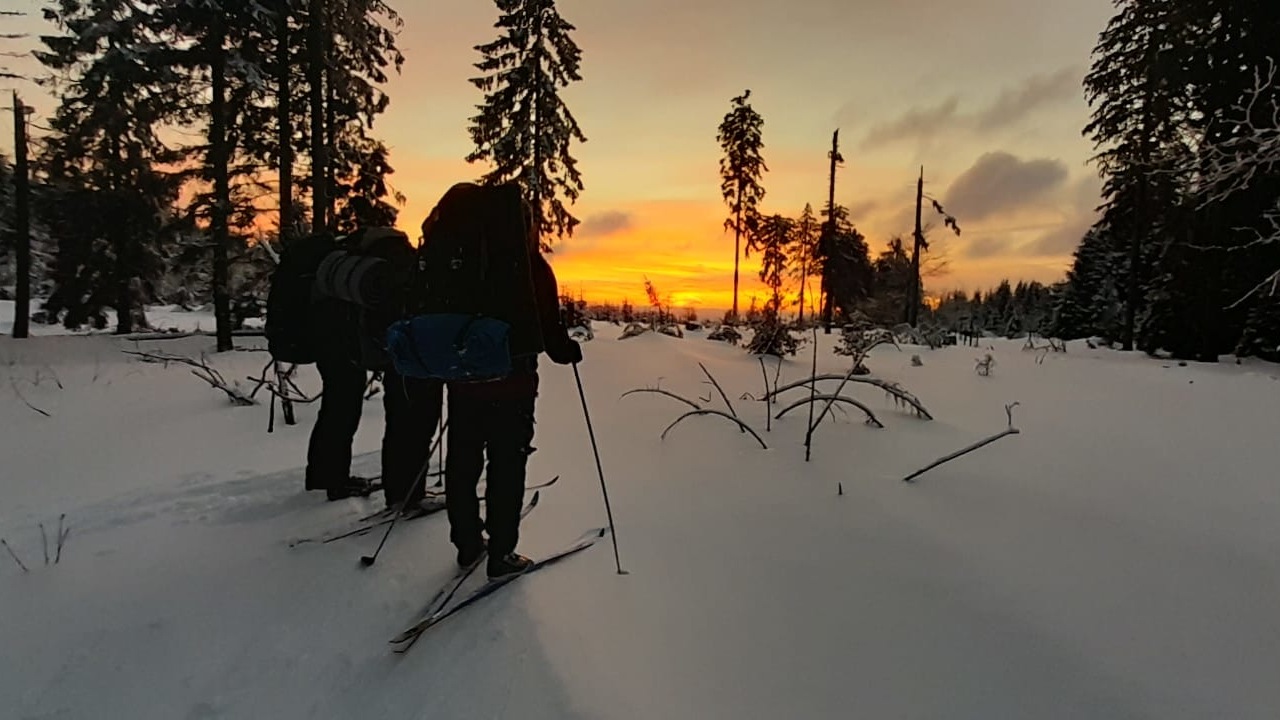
560, 348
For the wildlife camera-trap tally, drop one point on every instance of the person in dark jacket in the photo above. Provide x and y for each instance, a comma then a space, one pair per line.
412, 407
343, 383
496, 419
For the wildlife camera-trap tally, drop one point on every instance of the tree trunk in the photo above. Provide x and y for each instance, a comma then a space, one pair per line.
828, 239
219, 158
319, 154
22, 221
913, 289
285, 120
331, 132
536, 175
804, 277
737, 250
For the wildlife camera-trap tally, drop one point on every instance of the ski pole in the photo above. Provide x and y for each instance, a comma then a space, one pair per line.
613, 533
369, 560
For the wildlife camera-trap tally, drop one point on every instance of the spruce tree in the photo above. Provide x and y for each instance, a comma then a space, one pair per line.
741, 169
847, 262
805, 255
524, 129
775, 237
1136, 87
106, 203
1219, 285
1090, 303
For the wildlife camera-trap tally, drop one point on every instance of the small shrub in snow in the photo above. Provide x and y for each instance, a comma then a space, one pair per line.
726, 333
773, 338
916, 361
984, 365
857, 342
633, 329
671, 330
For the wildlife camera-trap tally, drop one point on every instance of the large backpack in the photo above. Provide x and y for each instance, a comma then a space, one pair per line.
289, 327
370, 273
472, 305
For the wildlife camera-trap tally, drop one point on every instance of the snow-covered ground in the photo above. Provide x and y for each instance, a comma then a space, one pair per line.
1118, 559
162, 318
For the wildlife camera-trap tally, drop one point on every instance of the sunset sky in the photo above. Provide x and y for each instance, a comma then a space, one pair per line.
984, 93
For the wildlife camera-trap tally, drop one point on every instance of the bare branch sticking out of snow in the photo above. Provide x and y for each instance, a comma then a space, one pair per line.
900, 395
660, 391
1010, 430
718, 413
62, 537
13, 384
719, 389
13, 554
200, 369
871, 416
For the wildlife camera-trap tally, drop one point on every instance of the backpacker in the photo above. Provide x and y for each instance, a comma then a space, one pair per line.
472, 304
289, 329
370, 273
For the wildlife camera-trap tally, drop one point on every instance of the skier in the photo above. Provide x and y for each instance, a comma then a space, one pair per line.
343, 383
496, 419
412, 407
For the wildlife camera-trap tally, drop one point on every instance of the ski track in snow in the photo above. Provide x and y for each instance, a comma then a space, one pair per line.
1118, 559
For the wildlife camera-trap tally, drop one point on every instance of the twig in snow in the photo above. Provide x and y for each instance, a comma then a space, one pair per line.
13, 384
13, 554
44, 543
720, 389
200, 369
871, 417
718, 413
813, 394
768, 404
899, 394
660, 391
62, 538
1011, 430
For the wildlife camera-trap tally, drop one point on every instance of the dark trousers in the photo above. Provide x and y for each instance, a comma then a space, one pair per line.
497, 423
413, 408
329, 453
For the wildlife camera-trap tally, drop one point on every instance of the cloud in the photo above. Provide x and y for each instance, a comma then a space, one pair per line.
985, 247
1080, 215
1010, 107
606, 223
915, 123
1016, 103
999, 182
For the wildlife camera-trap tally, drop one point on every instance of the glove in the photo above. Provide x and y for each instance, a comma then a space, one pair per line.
569, 353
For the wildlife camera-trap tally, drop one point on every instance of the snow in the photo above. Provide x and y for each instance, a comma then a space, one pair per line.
1117, 559
162, 318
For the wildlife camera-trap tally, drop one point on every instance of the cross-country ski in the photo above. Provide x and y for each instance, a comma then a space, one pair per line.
410, 635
